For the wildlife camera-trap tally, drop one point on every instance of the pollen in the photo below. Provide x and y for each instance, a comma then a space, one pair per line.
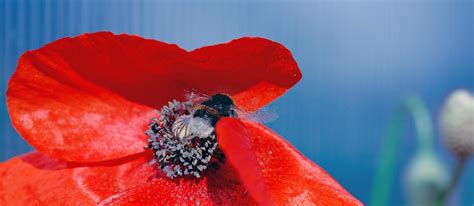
179, 148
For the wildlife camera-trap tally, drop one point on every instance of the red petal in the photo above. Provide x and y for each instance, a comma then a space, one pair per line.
291, 178
217, 187
254, 71
34, 179
234, 140
89, 98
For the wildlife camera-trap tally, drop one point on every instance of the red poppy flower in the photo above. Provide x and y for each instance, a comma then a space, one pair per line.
84, 104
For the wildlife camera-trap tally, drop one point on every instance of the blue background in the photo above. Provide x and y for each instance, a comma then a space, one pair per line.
358, 59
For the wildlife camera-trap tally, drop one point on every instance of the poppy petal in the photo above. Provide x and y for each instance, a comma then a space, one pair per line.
89, 98
254, 71
234, 141
35, 179
217, 187
291, 178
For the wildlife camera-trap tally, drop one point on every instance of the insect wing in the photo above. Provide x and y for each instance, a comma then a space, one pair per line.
195, 97
264, 115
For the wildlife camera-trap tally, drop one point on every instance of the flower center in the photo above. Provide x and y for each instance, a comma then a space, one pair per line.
183, 143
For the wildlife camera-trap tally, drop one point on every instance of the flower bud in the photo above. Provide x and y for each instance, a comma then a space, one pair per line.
457, 122
425, 179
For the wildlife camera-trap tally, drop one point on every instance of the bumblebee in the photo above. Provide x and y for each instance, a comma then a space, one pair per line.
216, 107
203, 118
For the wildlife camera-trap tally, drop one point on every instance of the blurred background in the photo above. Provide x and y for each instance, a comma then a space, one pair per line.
358, 58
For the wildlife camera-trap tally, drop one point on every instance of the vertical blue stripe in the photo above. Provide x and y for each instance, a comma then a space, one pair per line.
3, 72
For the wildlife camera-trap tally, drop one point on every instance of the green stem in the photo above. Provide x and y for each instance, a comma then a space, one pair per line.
422, 120
444, 196
381, 189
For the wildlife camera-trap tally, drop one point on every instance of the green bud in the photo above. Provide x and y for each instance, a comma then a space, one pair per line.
425, 179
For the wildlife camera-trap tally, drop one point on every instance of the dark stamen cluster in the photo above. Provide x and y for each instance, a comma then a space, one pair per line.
178, 156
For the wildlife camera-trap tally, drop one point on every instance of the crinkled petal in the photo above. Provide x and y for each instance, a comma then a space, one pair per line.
217, 187
35, 179
89, 98
290, 177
